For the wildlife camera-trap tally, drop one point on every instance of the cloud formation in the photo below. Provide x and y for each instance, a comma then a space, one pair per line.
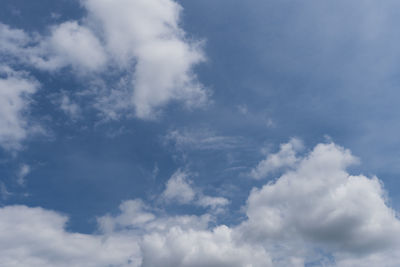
314, 213
147, 33
139, 40
179, 188
16, 88
286, 157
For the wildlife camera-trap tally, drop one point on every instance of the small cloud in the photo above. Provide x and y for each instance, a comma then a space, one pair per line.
23, 171
179, 188
242, 109
4, 193
270, 123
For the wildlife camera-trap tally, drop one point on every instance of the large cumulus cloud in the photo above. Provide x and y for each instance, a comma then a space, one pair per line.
315, 212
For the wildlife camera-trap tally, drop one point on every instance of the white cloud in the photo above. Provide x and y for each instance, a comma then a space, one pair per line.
71, 44
286, 157
15, 91
23, 171
147, 33
64, 102
323, 206
315, 212
179, 189
198, 248
139, 39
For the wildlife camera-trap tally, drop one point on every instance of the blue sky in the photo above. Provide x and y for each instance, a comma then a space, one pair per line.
199, 133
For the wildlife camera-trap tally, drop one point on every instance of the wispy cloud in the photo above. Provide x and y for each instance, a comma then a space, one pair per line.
201, 139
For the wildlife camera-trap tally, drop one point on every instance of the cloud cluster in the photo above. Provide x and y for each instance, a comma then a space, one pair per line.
140, 41
315, 213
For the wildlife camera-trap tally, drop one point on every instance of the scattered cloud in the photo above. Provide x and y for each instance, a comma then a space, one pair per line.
315, 213
23, 171
179, 188
16, 88
64, 102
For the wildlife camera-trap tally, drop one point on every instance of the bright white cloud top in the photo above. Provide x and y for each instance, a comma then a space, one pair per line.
316, 212
101, 86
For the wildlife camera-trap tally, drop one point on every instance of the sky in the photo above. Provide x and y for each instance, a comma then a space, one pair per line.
199, 133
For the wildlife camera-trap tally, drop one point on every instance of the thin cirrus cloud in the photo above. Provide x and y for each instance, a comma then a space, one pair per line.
201, 139
141, 39
315, 213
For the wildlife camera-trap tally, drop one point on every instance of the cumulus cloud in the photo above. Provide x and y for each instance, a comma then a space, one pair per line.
324, 206
315, 213
16, 88
179, 188
286, 157
140, 40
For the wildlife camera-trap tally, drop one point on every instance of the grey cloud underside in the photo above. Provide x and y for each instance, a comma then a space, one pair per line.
313, 210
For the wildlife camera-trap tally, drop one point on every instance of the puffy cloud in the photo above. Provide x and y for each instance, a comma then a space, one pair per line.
148, 34
71, 44
179, 189
140, 40
198, 248
66, 104
322, 205
36, 237
286, 157
15, 91
13, 42
315, 213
